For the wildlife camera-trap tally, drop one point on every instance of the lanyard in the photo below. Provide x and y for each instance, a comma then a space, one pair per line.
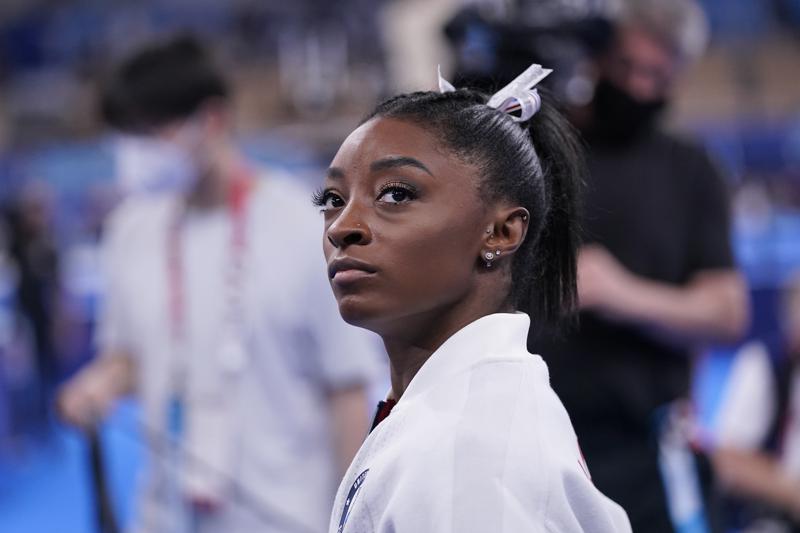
233, 315
232, 349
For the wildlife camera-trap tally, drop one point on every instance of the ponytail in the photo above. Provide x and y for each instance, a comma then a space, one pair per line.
552, 291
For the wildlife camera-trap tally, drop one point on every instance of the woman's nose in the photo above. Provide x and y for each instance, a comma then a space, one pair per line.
349, 228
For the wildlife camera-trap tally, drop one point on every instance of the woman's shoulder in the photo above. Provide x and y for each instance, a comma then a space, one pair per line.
510, 404
536, 455
510, 440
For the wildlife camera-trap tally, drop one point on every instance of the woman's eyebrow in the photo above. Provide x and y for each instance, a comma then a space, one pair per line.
398, 161
335, 173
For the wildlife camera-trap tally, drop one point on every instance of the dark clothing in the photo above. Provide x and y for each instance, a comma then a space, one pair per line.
35, 257
660, 207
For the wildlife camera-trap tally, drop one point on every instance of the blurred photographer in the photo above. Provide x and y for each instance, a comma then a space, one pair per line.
656, 275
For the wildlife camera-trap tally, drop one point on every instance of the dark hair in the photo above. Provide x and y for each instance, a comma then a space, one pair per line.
538, 165
159, 84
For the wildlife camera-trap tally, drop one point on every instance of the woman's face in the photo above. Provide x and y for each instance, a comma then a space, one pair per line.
404, 226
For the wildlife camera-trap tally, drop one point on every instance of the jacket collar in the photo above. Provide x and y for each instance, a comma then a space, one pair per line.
492, 336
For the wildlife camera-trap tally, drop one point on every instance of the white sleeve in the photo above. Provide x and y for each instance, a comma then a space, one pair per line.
577, 505
113, 327
572, 501
747, 408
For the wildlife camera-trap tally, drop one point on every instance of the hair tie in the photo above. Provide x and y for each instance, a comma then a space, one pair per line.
444, 85
519, 95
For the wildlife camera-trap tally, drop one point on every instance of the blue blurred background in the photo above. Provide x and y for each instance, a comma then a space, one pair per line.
303, 73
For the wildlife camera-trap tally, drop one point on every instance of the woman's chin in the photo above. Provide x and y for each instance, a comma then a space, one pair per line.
356, 311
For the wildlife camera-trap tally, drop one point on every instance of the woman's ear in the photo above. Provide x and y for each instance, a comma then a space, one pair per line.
507, 231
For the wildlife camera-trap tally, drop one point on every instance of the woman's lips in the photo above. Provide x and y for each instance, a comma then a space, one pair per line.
347, 270
349, 276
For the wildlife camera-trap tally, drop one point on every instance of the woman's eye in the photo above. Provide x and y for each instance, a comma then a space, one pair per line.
396, 195
332, 201
327, 200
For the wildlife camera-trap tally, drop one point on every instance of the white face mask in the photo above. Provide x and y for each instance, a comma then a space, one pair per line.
151, 165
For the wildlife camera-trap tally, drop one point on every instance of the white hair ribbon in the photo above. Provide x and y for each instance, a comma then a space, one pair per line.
519, 95
444, 85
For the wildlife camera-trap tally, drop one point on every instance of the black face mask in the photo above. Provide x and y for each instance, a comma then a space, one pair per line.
618, 118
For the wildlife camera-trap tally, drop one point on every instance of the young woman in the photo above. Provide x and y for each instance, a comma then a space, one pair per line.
443, 217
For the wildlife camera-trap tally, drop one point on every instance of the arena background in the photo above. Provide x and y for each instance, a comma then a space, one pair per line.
304, 72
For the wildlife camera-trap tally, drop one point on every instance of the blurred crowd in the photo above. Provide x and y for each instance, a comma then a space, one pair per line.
720, 394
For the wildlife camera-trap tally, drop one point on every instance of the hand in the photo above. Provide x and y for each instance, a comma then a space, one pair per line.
204, 488
602, 279
85, 399
204, 505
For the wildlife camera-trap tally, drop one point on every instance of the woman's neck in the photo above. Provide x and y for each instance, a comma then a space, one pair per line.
413, 343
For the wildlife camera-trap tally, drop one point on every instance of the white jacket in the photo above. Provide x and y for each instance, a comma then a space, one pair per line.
479, 442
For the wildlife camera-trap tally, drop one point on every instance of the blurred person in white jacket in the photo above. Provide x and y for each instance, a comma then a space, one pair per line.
756, 435
445, 214
217, 315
